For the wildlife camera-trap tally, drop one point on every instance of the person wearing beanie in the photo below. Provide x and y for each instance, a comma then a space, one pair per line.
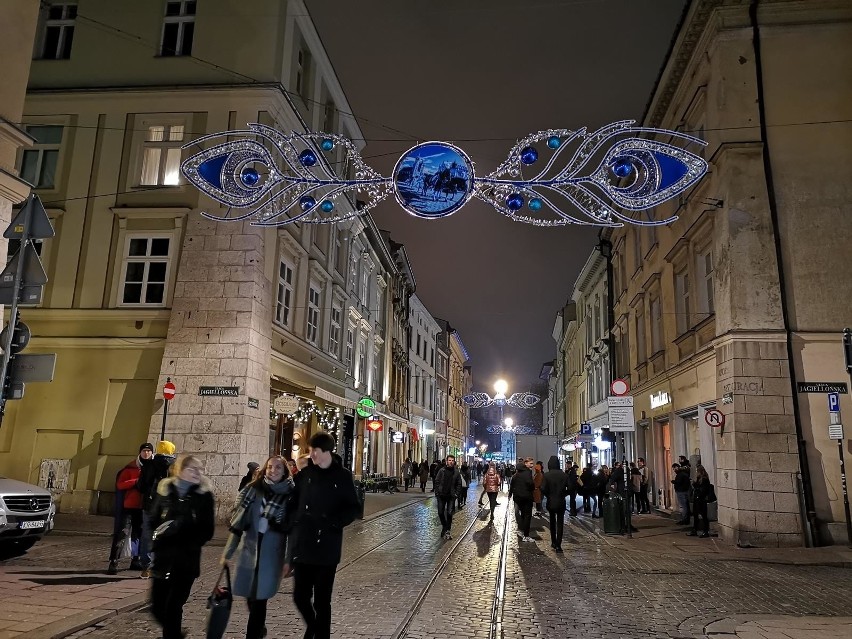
128, 509
249, 476
152, 474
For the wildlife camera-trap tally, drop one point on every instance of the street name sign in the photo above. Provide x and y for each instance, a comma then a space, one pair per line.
33, 368
219, 391
823, 387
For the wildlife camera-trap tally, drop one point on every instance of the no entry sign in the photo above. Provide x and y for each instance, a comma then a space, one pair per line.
169, 390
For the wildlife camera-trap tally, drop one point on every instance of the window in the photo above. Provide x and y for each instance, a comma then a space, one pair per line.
682, 301
178, 28
418, 344
641, 347
376, 358
284, 301
58, 31
706, 303
637, 248
145, 270
328, 117
597, 319
334, 332
303, 70
321, 236
350, 348
362, 359
312, 330
656, 325
161, 155
364, 290
589, 336
38, 164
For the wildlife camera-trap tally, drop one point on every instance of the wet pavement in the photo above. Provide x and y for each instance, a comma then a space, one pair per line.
399, 579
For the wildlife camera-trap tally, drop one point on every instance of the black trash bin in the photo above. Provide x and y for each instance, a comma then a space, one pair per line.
613, 514
361, 492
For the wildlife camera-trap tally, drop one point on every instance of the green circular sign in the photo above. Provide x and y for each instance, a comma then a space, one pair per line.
366, 407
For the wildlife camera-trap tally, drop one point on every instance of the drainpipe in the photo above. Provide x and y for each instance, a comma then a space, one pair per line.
807, 487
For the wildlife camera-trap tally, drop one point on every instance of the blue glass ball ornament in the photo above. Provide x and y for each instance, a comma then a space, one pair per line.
307, 158
553, 142
529, 155
327, 206
622, 167
307, 202
327, 145
249, 176
535, 204
515, 201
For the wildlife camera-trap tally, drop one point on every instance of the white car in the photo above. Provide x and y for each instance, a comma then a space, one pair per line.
26, 515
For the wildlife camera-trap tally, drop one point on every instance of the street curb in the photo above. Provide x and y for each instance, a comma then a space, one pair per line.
80, 621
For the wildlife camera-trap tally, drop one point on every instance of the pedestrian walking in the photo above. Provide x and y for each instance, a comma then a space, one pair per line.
406, 472
491, 486
128, 511
644, 486
250, 475
433, 471
521, 489
183, 514
538, 477
586, 484
424, 475
149, 478
554, 487
702, 494
681, 485
258, 539
326, 503
447, 486
573, 487
464, 469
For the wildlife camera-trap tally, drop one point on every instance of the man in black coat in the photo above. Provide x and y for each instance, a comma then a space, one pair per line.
448, 485
521, 488
326, 502
573, 487
554, 486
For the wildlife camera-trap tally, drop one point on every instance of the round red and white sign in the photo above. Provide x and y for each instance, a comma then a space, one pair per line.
714, 418
169, 390
619, 387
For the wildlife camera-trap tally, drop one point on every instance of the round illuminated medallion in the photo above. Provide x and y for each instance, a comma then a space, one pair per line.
434, 179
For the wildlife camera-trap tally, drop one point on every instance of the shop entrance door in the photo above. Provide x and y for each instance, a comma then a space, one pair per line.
663, 462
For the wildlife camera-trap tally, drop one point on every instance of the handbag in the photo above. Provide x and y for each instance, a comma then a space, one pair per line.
219, 605
711, 494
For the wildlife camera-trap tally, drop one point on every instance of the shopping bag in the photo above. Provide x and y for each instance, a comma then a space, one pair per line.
219, 605
125, 549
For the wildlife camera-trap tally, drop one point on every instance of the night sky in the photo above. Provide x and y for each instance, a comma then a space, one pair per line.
482, 74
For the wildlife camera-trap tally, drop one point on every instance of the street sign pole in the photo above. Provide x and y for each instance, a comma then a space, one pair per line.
166, 401
847, 348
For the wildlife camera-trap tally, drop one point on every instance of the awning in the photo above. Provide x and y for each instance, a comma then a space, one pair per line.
335, 399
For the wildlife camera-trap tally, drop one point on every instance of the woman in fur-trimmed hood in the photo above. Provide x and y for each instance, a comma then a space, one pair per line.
258, 539
183, 519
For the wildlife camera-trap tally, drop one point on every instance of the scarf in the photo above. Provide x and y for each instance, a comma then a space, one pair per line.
273, 504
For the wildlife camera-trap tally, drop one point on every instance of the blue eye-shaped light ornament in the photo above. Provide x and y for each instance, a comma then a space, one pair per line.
581, 177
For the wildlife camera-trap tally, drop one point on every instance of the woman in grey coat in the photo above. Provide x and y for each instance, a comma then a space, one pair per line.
258, 540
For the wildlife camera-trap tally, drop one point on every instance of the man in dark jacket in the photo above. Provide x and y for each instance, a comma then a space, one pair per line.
448, 485
521, 488
681, 485
326, 502
150, 476
554, 487
573, 487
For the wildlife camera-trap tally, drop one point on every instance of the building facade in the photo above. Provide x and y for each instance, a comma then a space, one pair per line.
422, 397
727, 308
143, 288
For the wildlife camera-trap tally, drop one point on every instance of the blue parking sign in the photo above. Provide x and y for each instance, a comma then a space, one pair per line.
834, 402
585, 429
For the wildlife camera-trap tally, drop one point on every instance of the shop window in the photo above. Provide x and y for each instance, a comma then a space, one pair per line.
161, 152
38, 164
145, 270
57, 32
178, 28
284, 299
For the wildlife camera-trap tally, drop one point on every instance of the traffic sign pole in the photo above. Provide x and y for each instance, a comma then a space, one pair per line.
834, 403
168, 393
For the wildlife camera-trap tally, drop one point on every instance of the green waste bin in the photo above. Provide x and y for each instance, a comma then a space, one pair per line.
361, 492
613, 514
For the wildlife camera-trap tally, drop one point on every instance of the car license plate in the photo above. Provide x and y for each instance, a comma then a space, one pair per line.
38, 523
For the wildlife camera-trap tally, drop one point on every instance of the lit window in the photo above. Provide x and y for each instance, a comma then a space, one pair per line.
312, 332
58, 33
145, 270
284, 301
178, 28
334, 332
161, 155
38, 164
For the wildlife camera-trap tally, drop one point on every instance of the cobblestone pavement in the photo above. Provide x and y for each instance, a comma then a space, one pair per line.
601, 587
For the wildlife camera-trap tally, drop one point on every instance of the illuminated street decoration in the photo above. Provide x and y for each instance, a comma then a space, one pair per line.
518, 430
516, 400
550, 178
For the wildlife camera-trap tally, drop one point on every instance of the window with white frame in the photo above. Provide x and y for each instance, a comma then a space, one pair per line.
375, 382
334, 331
145, 270
161, 155
313, 320
303, 73
284, 298
682, 301
656, 325
597, 318
340, 252
57, 31
38, 164
704, 268
641, 346
350, 348
364, 288
362, 359
178, 28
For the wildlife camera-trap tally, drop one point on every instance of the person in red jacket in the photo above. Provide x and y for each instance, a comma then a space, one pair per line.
128, 506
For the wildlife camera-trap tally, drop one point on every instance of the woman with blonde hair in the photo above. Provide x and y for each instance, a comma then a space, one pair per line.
183, 519
258, 539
